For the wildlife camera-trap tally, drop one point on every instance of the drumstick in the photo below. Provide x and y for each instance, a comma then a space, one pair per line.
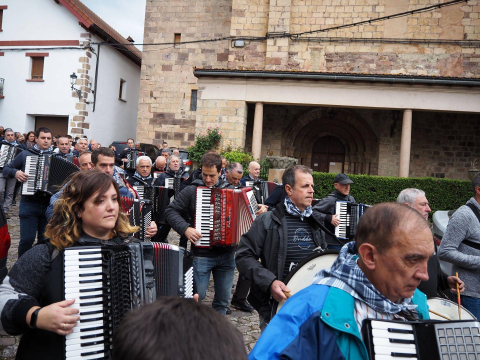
287, 294
436, 313
458, 300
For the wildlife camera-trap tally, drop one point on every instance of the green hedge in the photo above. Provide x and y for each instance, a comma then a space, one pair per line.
442, 194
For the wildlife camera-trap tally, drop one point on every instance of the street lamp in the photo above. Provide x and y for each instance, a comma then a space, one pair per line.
73, 79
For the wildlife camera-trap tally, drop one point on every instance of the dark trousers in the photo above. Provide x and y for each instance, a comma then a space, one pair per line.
32, 220
241, 290
162, 233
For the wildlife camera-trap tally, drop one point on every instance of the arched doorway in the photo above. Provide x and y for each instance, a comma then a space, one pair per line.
328, 155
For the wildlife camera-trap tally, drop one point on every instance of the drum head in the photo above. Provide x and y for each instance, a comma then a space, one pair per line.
448, 309
302, 275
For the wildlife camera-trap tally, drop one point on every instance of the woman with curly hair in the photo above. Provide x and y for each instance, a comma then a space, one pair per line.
31, 296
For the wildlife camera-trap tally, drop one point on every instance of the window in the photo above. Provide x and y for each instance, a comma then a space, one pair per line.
37, 68
2, 7
193, 101
176, 40
123, 90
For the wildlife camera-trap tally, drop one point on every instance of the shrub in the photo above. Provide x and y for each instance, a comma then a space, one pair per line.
443, 194
203, 143
238, 155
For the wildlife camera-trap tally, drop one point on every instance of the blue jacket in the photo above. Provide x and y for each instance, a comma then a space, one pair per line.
318, 323
245, 179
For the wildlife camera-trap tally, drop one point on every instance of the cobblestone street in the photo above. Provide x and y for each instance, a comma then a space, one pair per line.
245, 322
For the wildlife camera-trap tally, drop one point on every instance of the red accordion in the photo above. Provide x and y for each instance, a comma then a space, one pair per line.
222, 216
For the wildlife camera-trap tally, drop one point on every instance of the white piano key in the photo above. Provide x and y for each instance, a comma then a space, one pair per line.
386, 334
386, 342
385, 325
74, 344
79, 352
388, 350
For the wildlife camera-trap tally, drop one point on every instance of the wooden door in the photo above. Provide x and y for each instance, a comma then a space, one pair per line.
58, 124
328, 155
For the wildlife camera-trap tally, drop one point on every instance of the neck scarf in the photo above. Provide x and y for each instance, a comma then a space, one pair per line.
295, 211
35, 147
345, 274
141, 177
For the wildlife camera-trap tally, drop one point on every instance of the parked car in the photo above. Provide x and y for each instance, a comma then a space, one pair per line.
440, 222
151, 151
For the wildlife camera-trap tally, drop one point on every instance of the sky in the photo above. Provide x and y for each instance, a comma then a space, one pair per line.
125, 16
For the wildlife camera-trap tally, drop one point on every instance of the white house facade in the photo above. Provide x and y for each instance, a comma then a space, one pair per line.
42, 43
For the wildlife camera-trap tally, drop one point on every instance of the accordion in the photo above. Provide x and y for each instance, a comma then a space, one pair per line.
262, 188
140, 213
425, 339
349, 214
108, 282
46, 173
8, 153
160, 198
173, 183
132, 156
222, 216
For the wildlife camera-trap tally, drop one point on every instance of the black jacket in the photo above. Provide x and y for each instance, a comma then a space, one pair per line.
134, 181
180, 215
324, 210
267, 240
169, 174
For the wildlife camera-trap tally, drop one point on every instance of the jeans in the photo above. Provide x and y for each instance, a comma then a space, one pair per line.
222, 267
472, 304
7, 187
32, 219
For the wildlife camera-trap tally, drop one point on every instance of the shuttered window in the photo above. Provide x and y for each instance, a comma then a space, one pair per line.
1, 18
176, 40
37, 68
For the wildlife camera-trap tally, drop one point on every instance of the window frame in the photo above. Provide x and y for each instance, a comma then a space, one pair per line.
33, 58
177, 38
2, 7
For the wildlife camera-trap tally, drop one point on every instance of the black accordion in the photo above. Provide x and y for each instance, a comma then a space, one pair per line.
140, 213
8, 153
132, 156
349, 214
262, 189
174, 184
160, 198
46, 173
424, 339
107, 282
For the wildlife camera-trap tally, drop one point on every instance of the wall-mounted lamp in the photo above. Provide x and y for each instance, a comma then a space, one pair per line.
239, 43
73, 79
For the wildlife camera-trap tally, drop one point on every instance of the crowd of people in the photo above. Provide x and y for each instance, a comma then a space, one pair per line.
387, 272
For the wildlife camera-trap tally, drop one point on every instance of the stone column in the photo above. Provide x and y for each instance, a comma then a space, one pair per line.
257, 131
405, 144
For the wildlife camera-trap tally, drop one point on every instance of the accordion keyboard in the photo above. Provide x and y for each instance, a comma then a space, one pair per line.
31, 165
204, 217
84, 283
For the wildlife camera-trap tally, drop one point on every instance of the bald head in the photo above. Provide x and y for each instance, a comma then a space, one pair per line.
254, 170
160, 162
381, 225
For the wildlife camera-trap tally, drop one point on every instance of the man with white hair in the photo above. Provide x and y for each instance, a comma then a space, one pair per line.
80, 146
437, 281
142, 174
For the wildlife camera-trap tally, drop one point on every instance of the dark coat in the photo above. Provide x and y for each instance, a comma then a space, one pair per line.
267, 240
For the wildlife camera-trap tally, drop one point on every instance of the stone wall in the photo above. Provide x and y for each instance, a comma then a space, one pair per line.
167, 77
413, 45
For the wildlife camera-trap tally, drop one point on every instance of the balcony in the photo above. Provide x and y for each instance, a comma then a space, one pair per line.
2, 81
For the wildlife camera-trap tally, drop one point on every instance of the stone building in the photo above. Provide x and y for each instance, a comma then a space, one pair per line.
399, 96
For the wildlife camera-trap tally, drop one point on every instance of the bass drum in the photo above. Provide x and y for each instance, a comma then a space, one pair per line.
302, 275
447, 308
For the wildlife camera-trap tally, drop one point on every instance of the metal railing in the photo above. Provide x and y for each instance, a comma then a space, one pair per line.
2, 81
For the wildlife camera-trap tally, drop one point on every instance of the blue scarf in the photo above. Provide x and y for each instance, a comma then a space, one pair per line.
37, 149
137, 175
345, 274
295, 211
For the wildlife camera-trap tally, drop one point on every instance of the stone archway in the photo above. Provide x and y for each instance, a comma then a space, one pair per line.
360, 142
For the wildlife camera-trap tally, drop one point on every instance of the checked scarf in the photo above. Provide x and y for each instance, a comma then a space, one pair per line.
36, 148
137, 175
345, 274
295, 211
